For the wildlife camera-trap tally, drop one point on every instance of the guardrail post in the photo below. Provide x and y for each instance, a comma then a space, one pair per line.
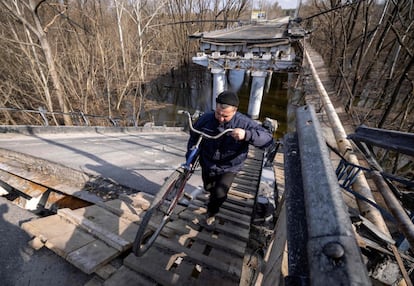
334, 257
84, 118
113, 122
42, 113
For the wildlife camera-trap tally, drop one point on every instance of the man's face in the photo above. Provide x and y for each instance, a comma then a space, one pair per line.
224, 115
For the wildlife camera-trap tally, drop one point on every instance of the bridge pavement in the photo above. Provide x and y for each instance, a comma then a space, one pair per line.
139, 159
136, 158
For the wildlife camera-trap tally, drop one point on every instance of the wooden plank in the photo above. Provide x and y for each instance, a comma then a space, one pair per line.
251, 177
245, 195
199, 257
154, 264
58, 235
228, 259
27, 187
123, 209
228, 204
244, 189
209, 277
247, 174
172, 268
222, 226
139, 200
231, 199
241, 201
120, 226
96, 230
252, 168
239, 219
105, 271
127, 277
276, 256
48, 174
189, 271
95, 281
63, 245
92, 256
78, 247
216, 240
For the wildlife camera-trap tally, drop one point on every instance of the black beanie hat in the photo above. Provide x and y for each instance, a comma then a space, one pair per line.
229, 98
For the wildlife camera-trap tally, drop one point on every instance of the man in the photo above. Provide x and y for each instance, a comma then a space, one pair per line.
221, 159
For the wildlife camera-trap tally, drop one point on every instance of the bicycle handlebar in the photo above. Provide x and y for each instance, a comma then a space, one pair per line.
190, 123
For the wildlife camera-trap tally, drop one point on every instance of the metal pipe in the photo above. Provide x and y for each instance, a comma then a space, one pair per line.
344, 145
404, 222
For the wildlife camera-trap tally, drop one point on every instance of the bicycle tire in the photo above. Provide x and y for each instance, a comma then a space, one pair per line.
146, 236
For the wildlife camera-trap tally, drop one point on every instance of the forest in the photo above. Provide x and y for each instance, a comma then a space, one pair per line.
106, 58
368, 47
99, 58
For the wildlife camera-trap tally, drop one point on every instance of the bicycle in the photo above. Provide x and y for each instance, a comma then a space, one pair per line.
169, 195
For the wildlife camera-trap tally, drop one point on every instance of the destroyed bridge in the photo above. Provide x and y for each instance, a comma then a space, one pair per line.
315, 210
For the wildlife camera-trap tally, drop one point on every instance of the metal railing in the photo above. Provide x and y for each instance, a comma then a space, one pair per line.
322, 247
80, 117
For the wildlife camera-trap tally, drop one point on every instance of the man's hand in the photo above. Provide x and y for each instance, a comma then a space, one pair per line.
238, 134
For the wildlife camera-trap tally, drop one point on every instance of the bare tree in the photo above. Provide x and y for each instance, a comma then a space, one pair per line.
371, 52
98, 57
372, 49
27, 13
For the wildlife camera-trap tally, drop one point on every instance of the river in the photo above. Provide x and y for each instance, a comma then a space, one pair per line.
195, 94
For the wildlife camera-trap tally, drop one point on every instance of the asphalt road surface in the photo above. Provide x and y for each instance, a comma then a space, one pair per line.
139, 160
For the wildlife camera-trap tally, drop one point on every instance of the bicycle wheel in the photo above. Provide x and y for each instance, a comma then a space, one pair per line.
159, 212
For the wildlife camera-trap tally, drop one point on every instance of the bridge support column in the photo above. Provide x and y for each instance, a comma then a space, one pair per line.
256, 93
219, 84
236, 79
269, 81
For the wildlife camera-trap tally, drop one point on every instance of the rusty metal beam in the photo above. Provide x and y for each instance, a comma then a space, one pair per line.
402, 142
296, 232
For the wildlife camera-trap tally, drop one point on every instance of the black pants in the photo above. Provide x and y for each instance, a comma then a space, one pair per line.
218, 187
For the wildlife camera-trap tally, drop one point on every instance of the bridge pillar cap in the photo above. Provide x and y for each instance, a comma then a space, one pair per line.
216, 70
259, 73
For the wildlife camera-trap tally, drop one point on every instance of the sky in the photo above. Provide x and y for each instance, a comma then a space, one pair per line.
288, 4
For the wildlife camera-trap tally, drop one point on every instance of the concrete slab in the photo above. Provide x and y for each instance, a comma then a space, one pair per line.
139, 160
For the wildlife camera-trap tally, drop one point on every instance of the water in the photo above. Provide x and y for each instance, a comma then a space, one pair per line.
274, 101
195, 94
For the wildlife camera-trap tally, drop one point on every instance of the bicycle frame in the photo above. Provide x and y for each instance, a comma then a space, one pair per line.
195, 149
170, 193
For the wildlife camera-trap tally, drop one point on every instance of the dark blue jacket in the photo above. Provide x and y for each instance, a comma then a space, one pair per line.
226, 154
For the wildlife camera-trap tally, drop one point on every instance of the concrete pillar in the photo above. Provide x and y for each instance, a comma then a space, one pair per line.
256, 93
269, 81
248, 74
219, 84
236, 79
